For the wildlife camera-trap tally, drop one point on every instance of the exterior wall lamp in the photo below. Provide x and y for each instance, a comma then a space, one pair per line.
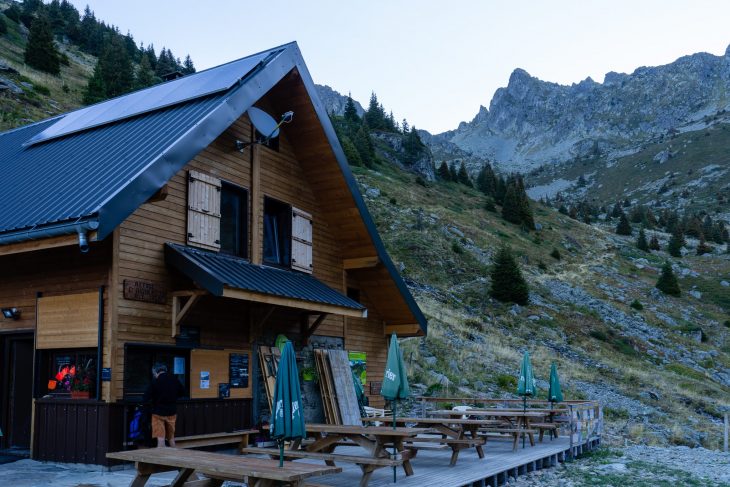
11, 313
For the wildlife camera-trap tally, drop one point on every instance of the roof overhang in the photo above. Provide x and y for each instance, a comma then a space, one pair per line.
236, 278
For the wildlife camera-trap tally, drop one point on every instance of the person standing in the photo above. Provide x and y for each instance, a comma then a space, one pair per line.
162, 394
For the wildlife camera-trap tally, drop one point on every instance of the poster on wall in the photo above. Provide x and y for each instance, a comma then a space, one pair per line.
358, 362
178, 367
238, 370
204, 379
224, 390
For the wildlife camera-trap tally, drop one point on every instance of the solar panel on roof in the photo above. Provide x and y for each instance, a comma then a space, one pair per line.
154, 98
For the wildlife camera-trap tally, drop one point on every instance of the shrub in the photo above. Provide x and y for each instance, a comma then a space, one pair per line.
506, 382
636, 304
623, 227
541, 265
555, 254
393, 201
43, 90
598, 335
422, 182
456, 248
489, 205
508, 285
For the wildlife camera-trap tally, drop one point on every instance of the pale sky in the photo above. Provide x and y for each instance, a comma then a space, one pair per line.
432, 62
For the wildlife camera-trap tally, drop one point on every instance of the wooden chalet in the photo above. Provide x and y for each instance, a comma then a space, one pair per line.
162, 226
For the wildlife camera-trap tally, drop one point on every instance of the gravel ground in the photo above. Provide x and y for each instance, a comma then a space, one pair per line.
637, 466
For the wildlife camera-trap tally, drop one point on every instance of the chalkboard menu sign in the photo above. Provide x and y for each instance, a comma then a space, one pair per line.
238, 370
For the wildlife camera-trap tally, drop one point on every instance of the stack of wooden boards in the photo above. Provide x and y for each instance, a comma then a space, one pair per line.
337, 387
335, 383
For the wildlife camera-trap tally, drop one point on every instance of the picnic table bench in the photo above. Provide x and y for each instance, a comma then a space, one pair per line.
517, 422
376, 440
217, 467
239, 438
456, 433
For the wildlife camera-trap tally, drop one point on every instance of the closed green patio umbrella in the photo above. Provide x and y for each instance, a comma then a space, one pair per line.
395, 381
287, 422
526, 384
554, 392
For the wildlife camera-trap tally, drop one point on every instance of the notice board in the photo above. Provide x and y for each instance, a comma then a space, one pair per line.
209, 368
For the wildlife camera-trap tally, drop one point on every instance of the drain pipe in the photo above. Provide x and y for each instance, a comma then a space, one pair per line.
81, 228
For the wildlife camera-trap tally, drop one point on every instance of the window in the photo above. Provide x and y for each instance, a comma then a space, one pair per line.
71, 370
277, 233
138, 362
234, 220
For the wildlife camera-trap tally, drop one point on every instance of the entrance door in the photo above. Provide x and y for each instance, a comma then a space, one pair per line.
20, 391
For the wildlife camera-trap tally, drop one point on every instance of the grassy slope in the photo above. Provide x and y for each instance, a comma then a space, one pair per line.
477, 343
34, 104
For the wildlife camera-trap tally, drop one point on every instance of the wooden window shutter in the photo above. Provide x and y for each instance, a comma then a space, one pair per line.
204, 211
301, 241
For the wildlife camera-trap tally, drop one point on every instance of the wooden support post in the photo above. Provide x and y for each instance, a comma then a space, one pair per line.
179, 313
309, 330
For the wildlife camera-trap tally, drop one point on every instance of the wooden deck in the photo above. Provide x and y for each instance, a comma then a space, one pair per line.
432, 468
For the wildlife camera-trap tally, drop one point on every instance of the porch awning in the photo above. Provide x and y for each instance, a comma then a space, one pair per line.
234, 277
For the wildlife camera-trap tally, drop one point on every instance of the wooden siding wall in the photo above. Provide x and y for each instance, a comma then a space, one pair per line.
54, 272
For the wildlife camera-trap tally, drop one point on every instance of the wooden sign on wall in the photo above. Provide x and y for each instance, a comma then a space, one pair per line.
149, 292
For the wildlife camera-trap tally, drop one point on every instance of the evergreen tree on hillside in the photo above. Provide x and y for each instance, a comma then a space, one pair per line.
40, 51
453, 174
511, 205
187, 66
623, 227
113, 74
375, 115
500, 189
364, 145
96, 88
29, 9
508, 285
412, 146
702, 247
641, 242
151, 56
3, 26
352, 119
166, 63
464, 176
486, 180
351, 153
654, 243
676, 242
145, 74
525, 209
443, 172
13, 13
667, 282
617, 211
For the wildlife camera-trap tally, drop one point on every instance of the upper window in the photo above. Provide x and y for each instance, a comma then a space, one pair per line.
277, 232
234, 220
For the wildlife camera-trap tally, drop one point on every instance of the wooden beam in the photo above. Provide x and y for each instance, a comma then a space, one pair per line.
179, 313
294, 303
256, 254
45, 243
360, 262
404, 330
309, 330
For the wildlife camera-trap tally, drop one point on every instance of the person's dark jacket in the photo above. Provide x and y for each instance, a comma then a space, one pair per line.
163, 393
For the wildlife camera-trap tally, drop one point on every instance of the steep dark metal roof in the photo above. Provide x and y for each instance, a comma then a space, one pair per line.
106, 172
215, 272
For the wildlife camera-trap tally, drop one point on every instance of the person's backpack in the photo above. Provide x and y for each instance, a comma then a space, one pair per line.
136, 430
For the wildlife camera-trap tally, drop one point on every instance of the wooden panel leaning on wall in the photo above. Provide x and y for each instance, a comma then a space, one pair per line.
68, 321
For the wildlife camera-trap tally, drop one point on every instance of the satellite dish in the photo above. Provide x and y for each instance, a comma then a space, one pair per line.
263, 123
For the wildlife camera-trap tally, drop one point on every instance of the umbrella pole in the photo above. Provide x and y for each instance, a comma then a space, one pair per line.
395, 405
281, 453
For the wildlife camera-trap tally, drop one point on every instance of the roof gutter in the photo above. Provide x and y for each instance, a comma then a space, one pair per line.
78, 227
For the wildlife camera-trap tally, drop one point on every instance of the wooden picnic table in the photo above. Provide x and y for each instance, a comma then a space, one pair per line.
217, 467
518, 418
453, 430
376, 440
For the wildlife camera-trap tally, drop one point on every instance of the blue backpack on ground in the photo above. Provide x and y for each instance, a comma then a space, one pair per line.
135, 426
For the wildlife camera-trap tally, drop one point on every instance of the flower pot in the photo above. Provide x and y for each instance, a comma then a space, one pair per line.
79, 394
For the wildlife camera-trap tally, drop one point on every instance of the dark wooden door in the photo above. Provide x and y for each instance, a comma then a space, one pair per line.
20, 391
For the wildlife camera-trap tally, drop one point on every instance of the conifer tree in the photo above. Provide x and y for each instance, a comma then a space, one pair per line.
375, 115
443, 172
364, 145
623, 227
667, 282
464, 176
676, 242
145, 75
617, 210
487, 180
702, 247
453, 174
40, 51
405, 127
654, 243
188, 67
508, 285
3, 27
13, 13
525, 209
511, 205
350, 115
351, 153
412, 146
641, 242
500, 188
